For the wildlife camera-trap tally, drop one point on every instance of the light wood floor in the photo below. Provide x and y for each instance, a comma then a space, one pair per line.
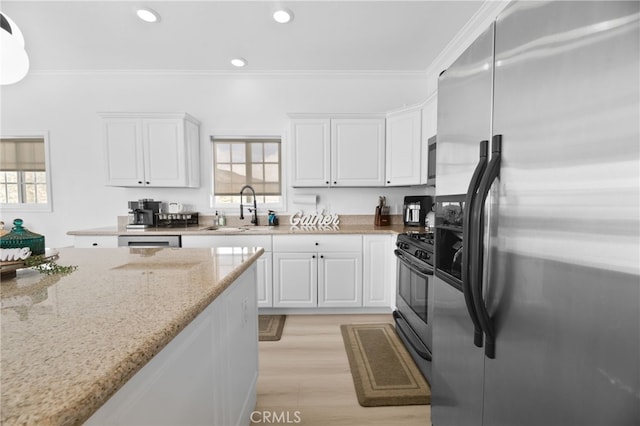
306, 377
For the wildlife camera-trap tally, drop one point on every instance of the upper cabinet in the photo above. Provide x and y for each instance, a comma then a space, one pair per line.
337, 151
153, 150
404, 147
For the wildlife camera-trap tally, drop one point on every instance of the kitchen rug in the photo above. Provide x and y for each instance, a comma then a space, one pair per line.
383, 371
270, 327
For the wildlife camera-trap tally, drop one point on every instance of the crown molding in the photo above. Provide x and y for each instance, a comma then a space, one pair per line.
480, 21
414, 74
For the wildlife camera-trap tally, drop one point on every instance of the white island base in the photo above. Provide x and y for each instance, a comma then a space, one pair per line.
206, 375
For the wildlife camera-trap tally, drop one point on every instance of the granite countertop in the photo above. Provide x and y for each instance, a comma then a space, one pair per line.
70, 342
349, 224
247, 230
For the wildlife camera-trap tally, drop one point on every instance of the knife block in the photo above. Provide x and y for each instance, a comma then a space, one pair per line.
381, 217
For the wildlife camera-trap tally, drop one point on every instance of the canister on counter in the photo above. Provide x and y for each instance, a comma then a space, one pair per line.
20, 237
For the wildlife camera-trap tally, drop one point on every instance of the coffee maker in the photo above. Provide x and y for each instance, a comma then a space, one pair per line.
415, 209
143, 213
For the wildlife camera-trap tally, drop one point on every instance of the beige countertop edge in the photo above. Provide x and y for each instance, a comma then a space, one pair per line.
277, 230
77, 410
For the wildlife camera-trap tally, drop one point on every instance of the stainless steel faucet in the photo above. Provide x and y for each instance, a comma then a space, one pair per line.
254, 220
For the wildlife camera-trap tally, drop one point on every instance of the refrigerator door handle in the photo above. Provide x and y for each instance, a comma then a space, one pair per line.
468, 233
492, 172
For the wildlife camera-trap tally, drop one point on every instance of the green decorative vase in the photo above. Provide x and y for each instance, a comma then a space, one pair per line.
20, 237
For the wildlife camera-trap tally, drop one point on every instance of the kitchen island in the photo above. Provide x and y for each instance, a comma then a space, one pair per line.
138, 326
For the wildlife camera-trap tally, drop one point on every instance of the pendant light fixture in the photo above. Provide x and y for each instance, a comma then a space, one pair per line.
14, 61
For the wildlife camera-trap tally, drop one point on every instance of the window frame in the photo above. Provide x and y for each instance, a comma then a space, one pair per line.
32, 207
262, 207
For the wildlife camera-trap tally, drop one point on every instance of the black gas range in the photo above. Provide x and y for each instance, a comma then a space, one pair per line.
417, 246
415, 255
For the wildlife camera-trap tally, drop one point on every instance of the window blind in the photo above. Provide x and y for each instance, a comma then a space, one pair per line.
22, 154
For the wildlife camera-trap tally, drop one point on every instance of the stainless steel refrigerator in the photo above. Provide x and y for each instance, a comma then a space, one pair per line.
537, 289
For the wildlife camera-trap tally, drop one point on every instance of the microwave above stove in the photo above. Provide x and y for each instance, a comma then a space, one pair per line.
431, 161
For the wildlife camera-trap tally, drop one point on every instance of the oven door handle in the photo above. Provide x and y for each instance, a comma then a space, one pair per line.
419, 269
492, 173
411, 336
469, 235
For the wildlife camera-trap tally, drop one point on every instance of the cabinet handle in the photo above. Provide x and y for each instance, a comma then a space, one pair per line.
335, 183
388, 181
95, 244
322, 256
317, 243
313, 257
327, 182
148, 182
140, 182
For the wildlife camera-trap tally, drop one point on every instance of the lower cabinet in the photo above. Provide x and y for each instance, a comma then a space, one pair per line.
379, 271
207, 375
263, 264
316, 271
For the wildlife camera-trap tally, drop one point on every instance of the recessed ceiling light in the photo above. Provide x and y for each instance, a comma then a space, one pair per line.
283, 16
238, 62
148, 15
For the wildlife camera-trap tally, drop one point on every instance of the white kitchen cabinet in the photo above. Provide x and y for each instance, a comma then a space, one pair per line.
357, 152
295, 280
379, 272
151, 150
95, 241
310, 152
263, 264
340, 279
404, 147
317, 270
337, 151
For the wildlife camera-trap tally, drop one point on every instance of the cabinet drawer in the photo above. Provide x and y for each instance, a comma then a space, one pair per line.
96, 241
317, 243
190, 241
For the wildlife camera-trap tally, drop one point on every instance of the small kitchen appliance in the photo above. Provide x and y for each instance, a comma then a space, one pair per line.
382, 217
143, 213
415, 209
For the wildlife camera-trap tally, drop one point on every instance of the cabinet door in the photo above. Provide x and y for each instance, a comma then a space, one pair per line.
340, 279
264, 281
123, 149
295, 280
403, 148
164, 153
310, 157
378, 283
357, 152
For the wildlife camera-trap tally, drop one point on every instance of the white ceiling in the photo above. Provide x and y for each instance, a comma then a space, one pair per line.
202, 36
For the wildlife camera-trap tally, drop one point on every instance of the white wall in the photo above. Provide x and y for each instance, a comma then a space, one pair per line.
67, 107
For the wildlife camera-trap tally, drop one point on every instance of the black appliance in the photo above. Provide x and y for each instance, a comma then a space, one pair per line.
413, 315
431, 161
143, 213
415, 209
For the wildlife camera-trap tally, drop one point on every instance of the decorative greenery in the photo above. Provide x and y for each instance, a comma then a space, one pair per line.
48, 266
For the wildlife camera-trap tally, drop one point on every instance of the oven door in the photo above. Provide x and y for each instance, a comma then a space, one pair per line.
413, 314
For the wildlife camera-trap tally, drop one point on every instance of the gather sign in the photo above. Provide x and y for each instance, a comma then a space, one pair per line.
315, 219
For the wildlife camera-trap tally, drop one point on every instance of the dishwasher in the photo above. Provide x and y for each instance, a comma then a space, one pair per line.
149, 241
